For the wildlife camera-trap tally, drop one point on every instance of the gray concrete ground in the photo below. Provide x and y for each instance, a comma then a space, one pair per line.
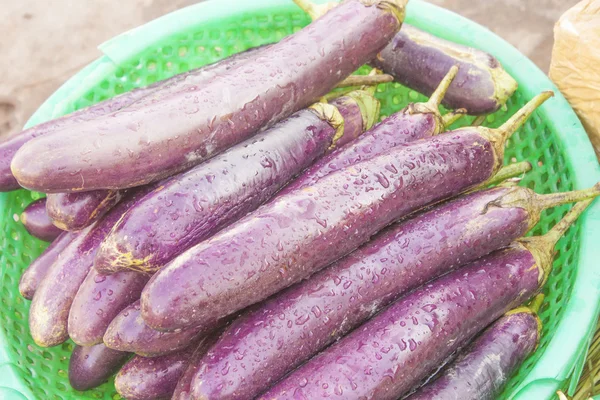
43, 43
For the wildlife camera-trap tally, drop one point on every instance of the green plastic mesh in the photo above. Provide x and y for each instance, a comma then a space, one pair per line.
45, 370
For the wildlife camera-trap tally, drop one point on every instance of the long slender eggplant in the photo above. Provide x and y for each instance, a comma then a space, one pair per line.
156, 378
9, 147
303, 231
416, 121
75, 211
151, 142
36, 221
99, 300
295, 324
49, 312
90, 367
394, 351
129, 333
482, 370
419, 60
37, 270
194, 205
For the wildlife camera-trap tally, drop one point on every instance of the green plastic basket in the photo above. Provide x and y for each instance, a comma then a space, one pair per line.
553, 141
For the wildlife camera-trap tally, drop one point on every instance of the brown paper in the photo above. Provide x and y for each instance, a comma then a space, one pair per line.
575, 66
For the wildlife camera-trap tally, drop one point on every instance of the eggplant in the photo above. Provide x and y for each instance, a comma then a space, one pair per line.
75, 211
90, 367
37, 222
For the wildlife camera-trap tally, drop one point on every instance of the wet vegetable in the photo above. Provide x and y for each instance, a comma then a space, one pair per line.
36, 221
99, 300
49, 312
302, 231
262, 346
196, 204
75, 211
90, 367
482, 369
37, 270
157, 140
394, 351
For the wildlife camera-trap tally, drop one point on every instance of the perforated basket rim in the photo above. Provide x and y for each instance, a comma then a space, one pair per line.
567, 349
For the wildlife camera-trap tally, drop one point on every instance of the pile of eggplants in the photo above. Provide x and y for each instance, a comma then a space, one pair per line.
243, 230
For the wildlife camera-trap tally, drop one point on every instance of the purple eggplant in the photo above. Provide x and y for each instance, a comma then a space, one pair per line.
36, 221
156, 378
37, 270
394, 351
9, 147
295, 324
153, 141
416, 121
75, 211
128, 333
193, 206
99, 300
49, 312
304, 230
482, 369
420, 60
90, 367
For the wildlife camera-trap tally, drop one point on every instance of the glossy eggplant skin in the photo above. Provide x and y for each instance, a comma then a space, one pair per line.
482, 369
90, 367
37, 270
9, 147
420, 60
160, 139
302, 231
49, 312
36, 221
394, 351
193, 206
75, 211
294, 325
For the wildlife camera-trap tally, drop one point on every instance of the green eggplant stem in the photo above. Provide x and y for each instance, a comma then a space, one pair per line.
536, 303
545, 201
479, 120
510, 171
365, 80
453, 116
436, 98
519, 118
314, 10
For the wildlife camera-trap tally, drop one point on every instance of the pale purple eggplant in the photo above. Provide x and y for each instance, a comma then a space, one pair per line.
195, 205
419, 60
150, 142
390, 354
90, 367
36, 221
304, 230
129, 333
9, 147
99, 300
292, 326
49, 312
37, 270
75, 211
482, 369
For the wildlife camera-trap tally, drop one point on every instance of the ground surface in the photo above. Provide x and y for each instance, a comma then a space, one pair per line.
43, 43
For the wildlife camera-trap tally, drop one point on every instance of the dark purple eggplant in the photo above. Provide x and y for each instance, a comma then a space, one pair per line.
37, 270
75, 211
49, 312
481, 370
90, 367
394, 351
154, 141
194, 205
304, 230
292, 326
36, 221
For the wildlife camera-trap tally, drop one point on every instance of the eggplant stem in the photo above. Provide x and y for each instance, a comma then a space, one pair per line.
510, 171
536, 304
337, 93
436, 98
453, 116
519, 118
479, 120
557, 232
365, 80
315, 11
545, 201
